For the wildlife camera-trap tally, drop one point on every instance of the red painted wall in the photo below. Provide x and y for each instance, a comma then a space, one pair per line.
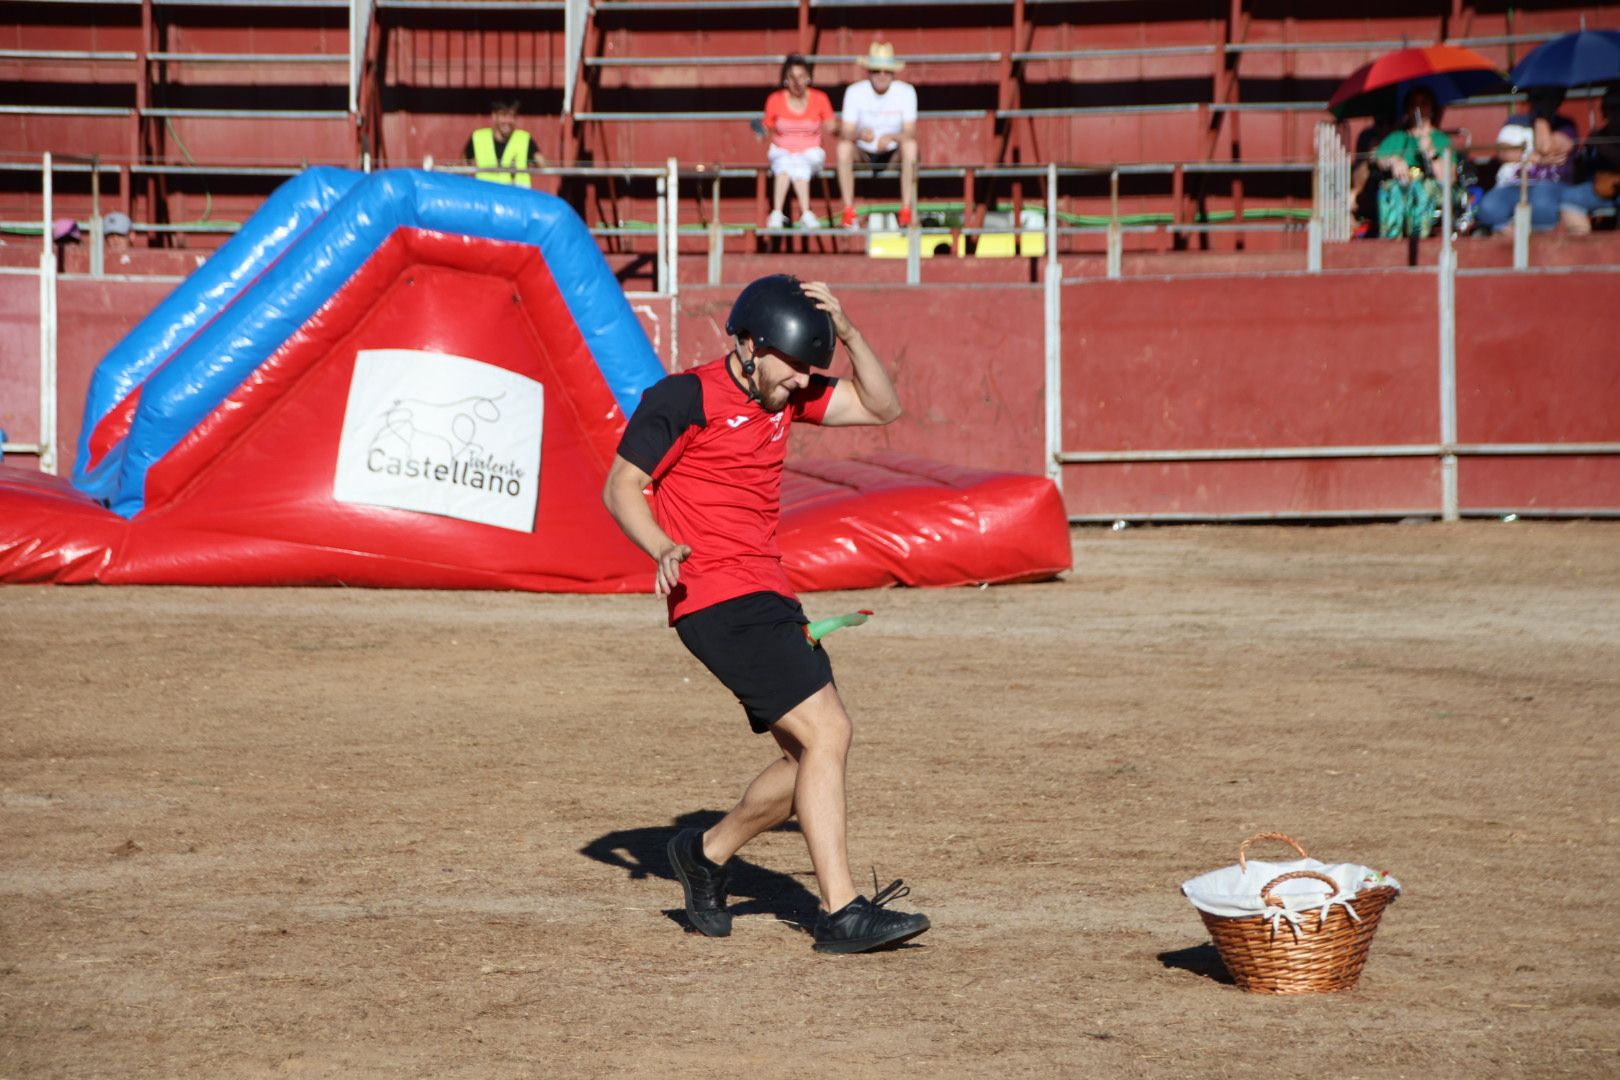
94, 316
1281, 361
1538, 359
966, 360
1538, 353
19, 359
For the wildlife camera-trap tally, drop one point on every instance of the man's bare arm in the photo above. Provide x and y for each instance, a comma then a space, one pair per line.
868, 396
622, 494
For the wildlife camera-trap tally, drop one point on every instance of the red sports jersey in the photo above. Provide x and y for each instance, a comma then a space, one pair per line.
716, 461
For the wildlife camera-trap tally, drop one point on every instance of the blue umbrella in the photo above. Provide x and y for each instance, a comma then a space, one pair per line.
1579, 59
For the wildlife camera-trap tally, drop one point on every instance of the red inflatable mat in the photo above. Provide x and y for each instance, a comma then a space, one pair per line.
888, 519
52, 532
898, 519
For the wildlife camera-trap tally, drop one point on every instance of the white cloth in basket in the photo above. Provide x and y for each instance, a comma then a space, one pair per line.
1234, 892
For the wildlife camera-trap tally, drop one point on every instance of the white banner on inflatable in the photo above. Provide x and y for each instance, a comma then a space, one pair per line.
442, 435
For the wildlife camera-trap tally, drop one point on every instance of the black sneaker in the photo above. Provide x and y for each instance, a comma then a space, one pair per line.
863, 925
705, 888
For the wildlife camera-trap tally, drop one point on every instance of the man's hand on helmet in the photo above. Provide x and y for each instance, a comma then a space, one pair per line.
826, 301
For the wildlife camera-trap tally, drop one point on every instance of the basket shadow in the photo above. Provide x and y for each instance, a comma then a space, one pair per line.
753, 889
1200, 960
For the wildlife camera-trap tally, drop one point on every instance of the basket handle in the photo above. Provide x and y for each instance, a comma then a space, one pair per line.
1243, 848
1271, 900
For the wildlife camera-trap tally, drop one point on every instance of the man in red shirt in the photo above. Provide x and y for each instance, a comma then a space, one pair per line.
711, 442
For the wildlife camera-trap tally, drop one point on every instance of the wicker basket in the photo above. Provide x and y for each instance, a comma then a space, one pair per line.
1324, 956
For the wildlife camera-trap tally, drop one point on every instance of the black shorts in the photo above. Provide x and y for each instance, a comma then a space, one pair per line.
883, 158
755, 645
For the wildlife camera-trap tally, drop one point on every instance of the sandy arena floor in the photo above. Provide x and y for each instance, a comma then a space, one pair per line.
341, 833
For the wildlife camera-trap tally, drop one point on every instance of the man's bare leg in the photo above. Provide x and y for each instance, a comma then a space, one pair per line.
699, 859
823, 729
766, 804
846, 172
908, 172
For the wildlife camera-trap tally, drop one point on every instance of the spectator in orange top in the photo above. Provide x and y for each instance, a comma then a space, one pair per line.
795, 118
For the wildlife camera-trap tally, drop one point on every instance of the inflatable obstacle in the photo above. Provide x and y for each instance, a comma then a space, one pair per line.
115, 386
410, 379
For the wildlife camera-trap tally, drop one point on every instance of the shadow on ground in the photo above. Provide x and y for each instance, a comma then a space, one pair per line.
754, 890
1200, 960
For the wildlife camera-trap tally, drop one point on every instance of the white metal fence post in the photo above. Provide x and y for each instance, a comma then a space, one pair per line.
1054, 335
1313, 228
98, 256
47, 332
1448, 349
672, 193
1521, 223
1116, 240
672, 277
359, 39
717, 236
660, 239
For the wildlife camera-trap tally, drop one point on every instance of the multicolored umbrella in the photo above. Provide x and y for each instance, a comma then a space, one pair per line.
1583, 58
1379, 89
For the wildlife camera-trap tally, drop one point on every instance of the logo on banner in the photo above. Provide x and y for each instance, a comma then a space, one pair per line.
442, 435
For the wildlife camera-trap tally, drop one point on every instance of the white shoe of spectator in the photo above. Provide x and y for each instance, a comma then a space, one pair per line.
777, 220
809, 221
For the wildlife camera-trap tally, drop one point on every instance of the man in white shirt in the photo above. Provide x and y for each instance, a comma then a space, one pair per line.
879, 121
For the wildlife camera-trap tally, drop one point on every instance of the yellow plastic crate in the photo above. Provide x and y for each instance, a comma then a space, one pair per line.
1000, 245
895, 245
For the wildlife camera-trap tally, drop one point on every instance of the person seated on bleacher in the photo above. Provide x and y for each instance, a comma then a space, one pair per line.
879, 121
1415, 157
795, 118
1537, 149
1367, 175
503, 145
115, 239
1597, 172
64, 234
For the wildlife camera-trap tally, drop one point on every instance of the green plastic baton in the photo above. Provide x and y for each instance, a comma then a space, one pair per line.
819, 629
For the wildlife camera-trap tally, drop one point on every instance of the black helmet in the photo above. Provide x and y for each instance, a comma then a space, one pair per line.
775, 314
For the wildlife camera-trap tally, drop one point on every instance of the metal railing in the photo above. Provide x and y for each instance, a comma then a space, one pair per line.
669, 234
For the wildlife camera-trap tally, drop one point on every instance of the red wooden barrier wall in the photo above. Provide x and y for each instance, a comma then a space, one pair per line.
1291, 360
1538, 359
19, 359
1240, 361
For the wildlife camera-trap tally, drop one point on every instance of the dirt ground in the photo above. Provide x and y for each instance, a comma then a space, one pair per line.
351, 833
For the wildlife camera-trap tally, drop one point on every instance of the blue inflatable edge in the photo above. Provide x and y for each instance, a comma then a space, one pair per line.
290, 210
182, 391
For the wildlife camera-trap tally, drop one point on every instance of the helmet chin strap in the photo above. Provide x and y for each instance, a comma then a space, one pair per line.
748, 372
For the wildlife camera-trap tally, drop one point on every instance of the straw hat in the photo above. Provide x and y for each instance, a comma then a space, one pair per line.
880, 57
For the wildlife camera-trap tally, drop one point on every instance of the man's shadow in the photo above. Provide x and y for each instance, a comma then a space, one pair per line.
641, 852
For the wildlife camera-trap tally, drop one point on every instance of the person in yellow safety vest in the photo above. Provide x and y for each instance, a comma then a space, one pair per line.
503, 145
